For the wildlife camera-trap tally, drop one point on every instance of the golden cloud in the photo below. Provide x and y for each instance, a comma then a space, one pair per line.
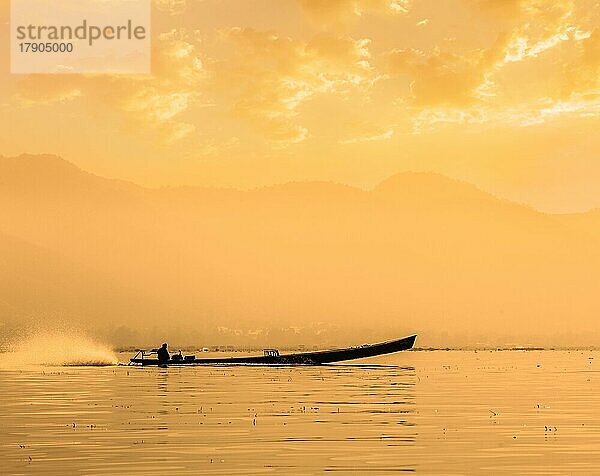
468, 87
45, 90
584, 74
266, 80
438, 78
173, 89
341, 13
154, 101
268, 77
366, 132
171, 7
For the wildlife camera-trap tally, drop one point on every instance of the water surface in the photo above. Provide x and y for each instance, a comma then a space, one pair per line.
425, 412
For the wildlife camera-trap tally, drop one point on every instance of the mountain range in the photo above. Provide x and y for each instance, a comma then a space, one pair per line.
291, 264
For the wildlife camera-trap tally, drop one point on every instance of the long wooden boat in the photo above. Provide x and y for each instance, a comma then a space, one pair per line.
272, 356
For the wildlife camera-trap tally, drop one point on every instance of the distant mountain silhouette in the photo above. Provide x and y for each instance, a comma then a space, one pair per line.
420, 252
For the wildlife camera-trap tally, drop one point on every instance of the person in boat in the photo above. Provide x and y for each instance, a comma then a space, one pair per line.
163, 354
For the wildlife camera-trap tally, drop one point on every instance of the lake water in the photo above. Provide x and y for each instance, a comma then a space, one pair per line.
438, 412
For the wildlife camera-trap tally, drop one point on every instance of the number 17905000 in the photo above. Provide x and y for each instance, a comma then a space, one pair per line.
45, 47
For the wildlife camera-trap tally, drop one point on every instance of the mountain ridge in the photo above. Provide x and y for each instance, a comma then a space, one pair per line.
419, 253
54, 163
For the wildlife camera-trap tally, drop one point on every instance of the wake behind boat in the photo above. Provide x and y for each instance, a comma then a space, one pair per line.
272, 356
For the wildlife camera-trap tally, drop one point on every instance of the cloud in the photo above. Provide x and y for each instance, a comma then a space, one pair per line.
153, 101
54, 91
533, 27
577, 105
174, 132
430, 119
441, 77
583, 74
171, 7
341, 13
260, 77
495, 83
540, 26
526, 114
438, 78
504, 8
157, 106
268, 77
273, 84
369, 133
173, 88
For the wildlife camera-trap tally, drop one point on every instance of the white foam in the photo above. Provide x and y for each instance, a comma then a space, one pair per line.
57, 348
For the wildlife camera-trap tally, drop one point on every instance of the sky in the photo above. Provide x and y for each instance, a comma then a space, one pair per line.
504, 94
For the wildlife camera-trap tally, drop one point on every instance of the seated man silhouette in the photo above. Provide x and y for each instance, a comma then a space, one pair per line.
163, 354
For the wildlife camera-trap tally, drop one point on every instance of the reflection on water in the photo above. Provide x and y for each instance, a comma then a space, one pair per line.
427, 412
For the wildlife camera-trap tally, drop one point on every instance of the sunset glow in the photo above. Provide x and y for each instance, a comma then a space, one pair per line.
502, 94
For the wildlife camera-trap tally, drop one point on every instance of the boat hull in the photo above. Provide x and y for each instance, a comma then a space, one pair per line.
303, 358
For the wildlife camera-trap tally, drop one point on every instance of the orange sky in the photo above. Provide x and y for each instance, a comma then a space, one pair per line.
504, 94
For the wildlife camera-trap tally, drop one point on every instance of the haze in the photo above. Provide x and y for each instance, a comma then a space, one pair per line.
295, 264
